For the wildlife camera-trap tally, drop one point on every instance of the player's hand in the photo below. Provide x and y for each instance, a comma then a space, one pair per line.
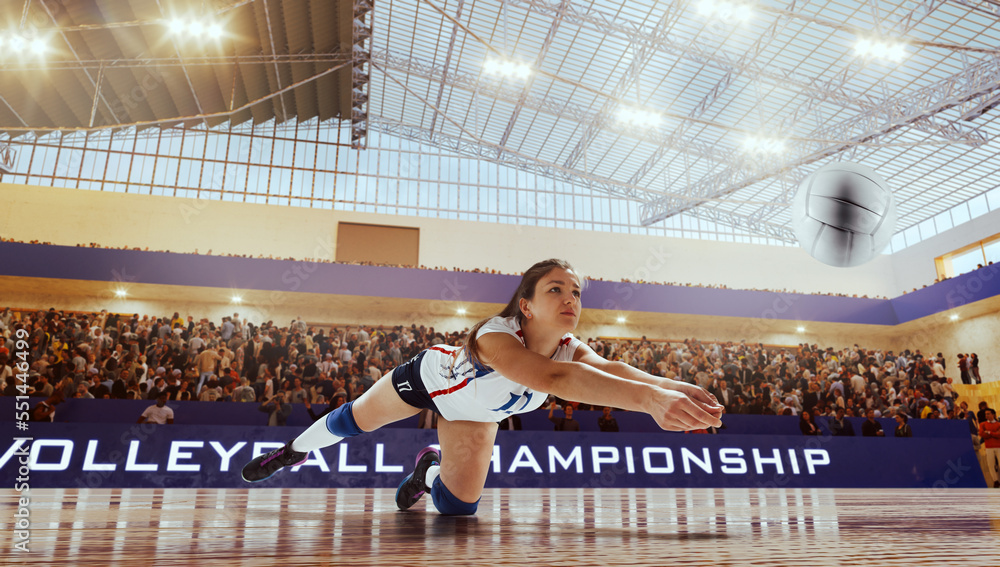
699, 395
675, 411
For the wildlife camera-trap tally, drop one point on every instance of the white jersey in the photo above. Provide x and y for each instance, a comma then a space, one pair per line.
462, 392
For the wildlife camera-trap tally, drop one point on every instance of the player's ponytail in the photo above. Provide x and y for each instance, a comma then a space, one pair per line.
525, 290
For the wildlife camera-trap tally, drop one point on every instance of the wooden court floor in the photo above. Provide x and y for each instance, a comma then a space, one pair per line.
523, 527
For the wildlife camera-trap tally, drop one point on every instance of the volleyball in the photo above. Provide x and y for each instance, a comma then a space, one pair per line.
844, 214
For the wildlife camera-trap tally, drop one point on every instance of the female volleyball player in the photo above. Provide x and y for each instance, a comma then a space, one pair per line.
509, 363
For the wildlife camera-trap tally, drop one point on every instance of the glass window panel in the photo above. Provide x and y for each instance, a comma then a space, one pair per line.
943, 220
978, 206
236, 178
967, 262
992, 251
927, 229
166, 171
993, 198
960, 214
124, 164
912, 235
898, 242
298, 183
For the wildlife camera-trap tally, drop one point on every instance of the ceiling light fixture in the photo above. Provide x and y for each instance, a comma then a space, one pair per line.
763, 145
506, 68
888, 49
638, 117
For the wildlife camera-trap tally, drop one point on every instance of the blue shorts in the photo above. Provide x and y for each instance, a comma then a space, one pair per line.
410, 387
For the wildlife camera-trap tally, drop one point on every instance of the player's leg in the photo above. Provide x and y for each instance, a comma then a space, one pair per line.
456, 477
379, 406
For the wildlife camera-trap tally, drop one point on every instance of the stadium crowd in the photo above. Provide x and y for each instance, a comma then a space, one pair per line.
102, 355
476, 270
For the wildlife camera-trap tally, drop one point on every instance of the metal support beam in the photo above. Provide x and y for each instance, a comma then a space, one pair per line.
447, 63
7, 157
496, 154
97, 96
161, 62
645, 52
546, 44
920, 108
991, 7
76, 56
277, 70
735, 65
410, 65
361, 72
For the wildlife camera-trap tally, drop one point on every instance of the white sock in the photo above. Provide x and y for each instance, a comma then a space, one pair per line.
433, 472
316, 437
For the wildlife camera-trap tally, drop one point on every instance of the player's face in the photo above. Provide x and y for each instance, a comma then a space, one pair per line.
557, 300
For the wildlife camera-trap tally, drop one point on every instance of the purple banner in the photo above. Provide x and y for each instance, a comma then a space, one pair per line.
174, 456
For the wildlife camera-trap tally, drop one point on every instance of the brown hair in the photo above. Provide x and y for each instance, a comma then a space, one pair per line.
525, 290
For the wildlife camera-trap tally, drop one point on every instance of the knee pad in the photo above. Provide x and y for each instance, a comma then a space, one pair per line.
341, 422
449, 504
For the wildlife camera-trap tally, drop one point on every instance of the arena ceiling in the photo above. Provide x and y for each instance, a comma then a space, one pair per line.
745, 98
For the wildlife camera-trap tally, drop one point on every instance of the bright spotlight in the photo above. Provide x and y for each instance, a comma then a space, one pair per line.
177, 26
215, 31
17, 43
638, 117
621, 319
506, 68
888, 49
461, 311
237, 299
954, 316
38, 46
195, 28
801, 329
120, 293
763, 145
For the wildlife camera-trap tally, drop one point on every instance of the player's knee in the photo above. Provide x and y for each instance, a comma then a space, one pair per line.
449, 504
341, 421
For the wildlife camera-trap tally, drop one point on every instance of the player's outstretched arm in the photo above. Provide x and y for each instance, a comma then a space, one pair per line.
700, 395
672, 410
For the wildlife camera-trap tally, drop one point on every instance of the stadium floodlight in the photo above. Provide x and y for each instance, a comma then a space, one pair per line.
638, 117
16, 43
198, 29
874, 48
506, 68
763, 145
38, 46
177, 26
726, 10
